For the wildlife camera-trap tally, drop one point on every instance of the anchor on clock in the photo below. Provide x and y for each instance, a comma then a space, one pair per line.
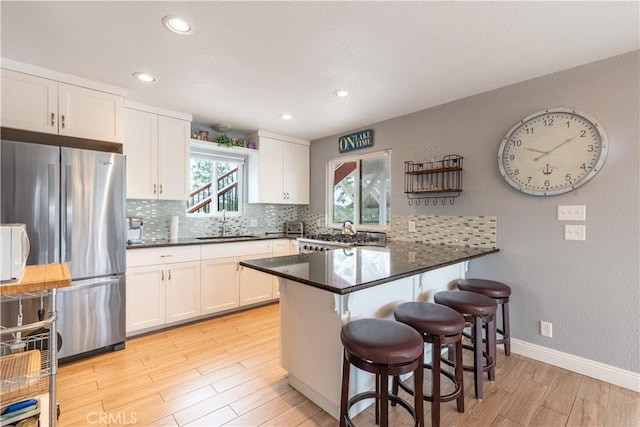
547, 169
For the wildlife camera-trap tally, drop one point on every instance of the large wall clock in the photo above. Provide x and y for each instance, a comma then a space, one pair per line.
552, 152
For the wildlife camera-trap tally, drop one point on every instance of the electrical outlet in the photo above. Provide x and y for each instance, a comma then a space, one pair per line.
572, 213
546, 329
575, 232
412, 226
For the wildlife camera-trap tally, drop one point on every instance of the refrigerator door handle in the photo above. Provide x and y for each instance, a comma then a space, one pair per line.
67, 217
52, 215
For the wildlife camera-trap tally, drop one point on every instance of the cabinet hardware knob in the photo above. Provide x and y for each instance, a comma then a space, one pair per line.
162, 275
169, 274
62, 121
154, 188
53, 119
160, 188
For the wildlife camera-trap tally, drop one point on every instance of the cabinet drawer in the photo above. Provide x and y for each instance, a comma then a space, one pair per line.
236, 249
151, 256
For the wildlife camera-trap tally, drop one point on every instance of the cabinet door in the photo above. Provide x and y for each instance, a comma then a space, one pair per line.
173, 158
219, 288
145, 297
141, 149
87, 113
296, 174
255, 286
271, 181
183, 290
29, 102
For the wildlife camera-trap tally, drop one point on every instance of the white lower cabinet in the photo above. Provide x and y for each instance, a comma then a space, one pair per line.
219, 285
255, 286
163, 286
178, 283
145, 297
183, 291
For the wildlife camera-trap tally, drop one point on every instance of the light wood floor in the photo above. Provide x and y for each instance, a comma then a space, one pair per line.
225, 371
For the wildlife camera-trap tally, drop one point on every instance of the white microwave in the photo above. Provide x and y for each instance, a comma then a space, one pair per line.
14, 250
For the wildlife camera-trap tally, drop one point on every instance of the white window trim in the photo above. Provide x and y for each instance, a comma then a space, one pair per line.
330, 184
214, 153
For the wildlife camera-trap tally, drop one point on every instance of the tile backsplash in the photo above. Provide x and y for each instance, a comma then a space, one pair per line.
470, 231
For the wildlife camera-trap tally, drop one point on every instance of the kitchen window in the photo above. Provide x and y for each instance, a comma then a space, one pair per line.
216, 183
361, 190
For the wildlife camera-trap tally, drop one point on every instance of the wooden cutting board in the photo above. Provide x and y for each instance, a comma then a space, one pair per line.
39, 278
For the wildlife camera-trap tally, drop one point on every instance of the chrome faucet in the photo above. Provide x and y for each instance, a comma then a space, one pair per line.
223, 226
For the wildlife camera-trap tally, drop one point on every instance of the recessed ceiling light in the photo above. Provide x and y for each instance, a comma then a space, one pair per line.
285, 116
341, 93
177, 24
144, 77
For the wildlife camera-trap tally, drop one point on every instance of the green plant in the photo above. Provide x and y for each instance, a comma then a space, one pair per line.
224, 140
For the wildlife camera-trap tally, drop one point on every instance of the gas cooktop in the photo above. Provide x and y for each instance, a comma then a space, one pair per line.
328, 241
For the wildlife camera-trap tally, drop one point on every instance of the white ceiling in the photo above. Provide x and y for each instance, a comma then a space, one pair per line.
249, 62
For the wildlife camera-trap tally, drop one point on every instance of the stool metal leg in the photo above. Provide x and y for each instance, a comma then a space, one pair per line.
491, 346
418, 400
477, 356
459, 373
345, 390
384, 398
505, 328
435, 382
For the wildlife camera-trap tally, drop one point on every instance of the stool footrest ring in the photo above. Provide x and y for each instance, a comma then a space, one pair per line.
372, 395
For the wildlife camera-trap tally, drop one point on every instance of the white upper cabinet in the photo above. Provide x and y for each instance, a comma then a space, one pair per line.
279, 173
43, 105
157, 150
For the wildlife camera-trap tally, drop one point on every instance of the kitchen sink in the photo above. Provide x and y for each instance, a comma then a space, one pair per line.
226, 237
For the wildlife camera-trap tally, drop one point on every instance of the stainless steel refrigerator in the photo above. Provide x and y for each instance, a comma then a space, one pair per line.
73, 203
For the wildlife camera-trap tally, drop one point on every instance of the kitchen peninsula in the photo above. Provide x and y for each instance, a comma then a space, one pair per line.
320, 292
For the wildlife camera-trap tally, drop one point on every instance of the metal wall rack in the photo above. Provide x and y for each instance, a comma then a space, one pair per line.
438, 180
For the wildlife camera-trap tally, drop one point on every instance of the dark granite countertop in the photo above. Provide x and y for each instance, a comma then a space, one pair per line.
206, 241
342, 271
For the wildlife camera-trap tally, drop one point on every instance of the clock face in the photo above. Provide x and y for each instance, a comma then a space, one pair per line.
552, 152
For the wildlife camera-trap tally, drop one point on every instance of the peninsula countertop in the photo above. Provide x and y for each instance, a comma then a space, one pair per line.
342, 271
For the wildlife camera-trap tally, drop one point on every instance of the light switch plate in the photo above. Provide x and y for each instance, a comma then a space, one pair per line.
575, 232
572, 213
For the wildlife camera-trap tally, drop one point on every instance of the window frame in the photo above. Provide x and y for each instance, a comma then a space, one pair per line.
205, 151
330, 167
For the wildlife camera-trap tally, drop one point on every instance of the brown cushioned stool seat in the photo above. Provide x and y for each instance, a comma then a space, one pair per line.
500, 293
440, 326
384, 348
477, 310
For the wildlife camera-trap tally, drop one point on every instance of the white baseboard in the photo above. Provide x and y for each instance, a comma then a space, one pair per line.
589, 368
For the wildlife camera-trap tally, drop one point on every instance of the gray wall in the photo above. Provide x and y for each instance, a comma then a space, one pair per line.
589, 290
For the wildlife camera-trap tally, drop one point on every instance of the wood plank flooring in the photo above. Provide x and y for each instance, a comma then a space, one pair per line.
225, 372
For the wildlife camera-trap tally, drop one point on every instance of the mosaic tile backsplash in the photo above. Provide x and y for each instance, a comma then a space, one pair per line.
469, 231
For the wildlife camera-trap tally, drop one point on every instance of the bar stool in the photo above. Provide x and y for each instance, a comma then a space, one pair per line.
440, 326
384, 348
477, 311
500, 293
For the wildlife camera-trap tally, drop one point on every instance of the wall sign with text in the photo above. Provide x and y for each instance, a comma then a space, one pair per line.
355, 141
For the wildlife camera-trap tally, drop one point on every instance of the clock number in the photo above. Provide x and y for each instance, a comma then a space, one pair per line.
548, 122
583, 133
590, 148
517, 143
547, 183
516, 171
512, 157
529, 179
568, 123
567, 177
583, 166
529, 131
